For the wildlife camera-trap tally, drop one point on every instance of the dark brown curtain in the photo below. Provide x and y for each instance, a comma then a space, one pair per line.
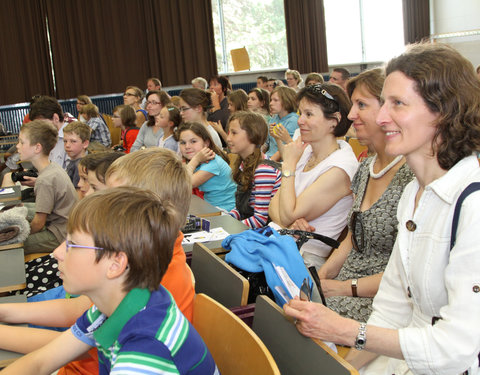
185, 40
98, 46
306, 35
109, 44
25, 68
416, 20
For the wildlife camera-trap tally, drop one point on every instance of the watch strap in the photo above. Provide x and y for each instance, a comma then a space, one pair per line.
361, 339
354, 287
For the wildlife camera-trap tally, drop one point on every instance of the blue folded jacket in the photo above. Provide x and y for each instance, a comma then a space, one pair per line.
260, 250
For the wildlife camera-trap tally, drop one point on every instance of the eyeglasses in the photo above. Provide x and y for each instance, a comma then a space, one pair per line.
318, 89
69, 245
354, 222
184, 109
128, 94
152, 102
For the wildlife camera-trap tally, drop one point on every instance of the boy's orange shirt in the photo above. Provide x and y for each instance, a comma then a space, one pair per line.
177, 280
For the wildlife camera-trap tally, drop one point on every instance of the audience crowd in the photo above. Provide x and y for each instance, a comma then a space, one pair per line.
402, 284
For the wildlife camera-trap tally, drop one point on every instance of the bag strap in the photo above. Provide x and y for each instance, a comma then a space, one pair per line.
474, 186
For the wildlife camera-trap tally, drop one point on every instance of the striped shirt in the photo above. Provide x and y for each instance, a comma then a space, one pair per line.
266, 182
146, 334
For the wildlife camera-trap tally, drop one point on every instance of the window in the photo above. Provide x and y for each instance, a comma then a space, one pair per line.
363, 30
257, 25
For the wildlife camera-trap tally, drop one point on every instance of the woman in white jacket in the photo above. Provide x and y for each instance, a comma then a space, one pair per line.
426, 313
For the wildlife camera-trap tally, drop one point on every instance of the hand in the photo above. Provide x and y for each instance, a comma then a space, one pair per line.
315, 320
29, 181
216, 125
282, 133
272, 129
292, 153
215, 101
302, 224
204, 155
336, 288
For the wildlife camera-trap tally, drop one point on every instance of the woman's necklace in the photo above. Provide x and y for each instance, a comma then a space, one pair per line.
313, 161
384, 170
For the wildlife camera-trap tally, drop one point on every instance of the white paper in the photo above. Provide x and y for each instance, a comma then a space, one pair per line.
6, 191
215, 234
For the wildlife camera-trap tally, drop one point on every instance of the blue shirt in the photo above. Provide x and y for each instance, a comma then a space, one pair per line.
289, 122
146, 334
220, 189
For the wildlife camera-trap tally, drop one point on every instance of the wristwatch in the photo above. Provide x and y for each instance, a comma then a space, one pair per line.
288, 173
361, 339
354, 287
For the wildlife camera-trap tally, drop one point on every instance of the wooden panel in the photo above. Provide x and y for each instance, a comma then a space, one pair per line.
236, 349
293, 352
12, 270
217, 279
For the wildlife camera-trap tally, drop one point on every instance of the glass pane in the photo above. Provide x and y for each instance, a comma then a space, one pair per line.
383, 29
344, 41
257, 25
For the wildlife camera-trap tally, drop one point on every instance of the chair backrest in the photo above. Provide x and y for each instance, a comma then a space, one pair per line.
235, 348
240, 59
356, 146
293, 352
217, 279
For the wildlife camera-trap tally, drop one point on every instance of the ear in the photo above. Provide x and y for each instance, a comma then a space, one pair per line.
336, 119
118, 265
38, 148
86, 144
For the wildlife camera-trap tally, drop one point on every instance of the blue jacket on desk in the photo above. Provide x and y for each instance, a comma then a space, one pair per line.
254, 251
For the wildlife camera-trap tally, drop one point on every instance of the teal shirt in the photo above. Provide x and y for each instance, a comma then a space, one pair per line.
220, 189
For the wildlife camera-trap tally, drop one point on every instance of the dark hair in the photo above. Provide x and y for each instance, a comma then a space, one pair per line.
339, 102
45, 107
256, 128
196, 97
99, 163
344, 72
447, 84
262, 78
263, 96
174, 115
164, 100
133, 221
239, 99
371, 79
201, 131
224, 82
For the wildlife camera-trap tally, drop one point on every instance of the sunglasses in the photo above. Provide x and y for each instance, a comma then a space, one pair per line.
356, 227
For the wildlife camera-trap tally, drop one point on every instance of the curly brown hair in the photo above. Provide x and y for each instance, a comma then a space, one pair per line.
447, 83
257, 131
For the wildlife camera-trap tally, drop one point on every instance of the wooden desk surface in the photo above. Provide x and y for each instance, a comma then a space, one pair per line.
231, 225
12, 270
14, 196
202, 208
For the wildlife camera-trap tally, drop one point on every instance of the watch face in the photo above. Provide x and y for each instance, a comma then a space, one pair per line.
361, 342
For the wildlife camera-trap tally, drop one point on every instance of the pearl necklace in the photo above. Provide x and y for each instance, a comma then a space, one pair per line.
384, 170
